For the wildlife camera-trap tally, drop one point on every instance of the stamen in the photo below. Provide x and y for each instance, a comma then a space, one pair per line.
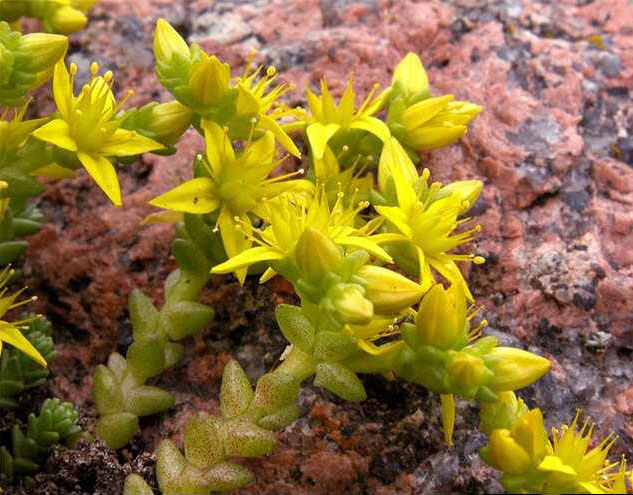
368, 98
94, 69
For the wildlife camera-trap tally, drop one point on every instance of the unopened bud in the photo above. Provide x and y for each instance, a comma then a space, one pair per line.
466, 372
316, 255
169, 121
350, 304
514, 368
441, 319
501, 413
67, 20
167, 43
37, 52
209, 80
389, 291
506, 455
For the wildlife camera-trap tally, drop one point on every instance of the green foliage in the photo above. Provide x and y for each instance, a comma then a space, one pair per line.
20, 220
18, 373
56, 423
120, 392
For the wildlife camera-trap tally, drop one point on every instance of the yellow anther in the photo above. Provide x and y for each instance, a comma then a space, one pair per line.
271, 71
73, 69
108, 76
479, 260
94, 69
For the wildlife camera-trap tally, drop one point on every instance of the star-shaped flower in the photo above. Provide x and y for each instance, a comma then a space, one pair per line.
89, 126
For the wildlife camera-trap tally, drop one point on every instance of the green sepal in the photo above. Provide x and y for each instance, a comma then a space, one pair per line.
189, 257
143, 314
295, 326
275, 391
236, 393
135, 485
146, 358
11, 251
116, 430
244, 439
340, 381
278, 420
202, 440
146, 400
333, 346
182, 319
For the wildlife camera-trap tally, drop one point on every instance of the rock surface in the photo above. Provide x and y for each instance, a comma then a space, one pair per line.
554, 147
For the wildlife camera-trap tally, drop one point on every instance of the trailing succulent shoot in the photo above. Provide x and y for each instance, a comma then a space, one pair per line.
18, 372
60, 16
371, 246
120, 392
56, 423
331, 239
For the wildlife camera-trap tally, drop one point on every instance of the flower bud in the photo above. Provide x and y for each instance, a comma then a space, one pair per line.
466, 372
464, 193
350, 304
316, 255
514, 368
501, 413
441, 320
167, 43
40, 51
389, 291
68, 20
169, 121
409, 77
530, 433
209, 80
506, 455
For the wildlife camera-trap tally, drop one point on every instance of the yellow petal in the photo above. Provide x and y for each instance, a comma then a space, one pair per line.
448, 417
168, 42
315, 104
366, 244
62, 90
424, 110
103, 173
283, 138
128, 143
554, 464
56, 132
248, 257
373, 125
319, 135
429, 138
163, 217
11, 335
410, 75
234, 240
219, 148
194, 196
397, 217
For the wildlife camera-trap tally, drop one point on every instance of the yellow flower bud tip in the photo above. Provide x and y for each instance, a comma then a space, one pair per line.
168, 42
68, 20
515, 368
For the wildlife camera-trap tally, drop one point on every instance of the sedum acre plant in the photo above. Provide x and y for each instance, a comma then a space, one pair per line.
372, 247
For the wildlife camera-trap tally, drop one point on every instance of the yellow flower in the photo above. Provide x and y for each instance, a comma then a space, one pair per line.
15, 132
425, 218
235, 184
327, 118
10, 331
571, 466
421, 122
203, 83
289, 216
88, 126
